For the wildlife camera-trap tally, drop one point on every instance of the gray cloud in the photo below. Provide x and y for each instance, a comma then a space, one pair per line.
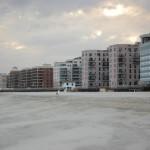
33, 32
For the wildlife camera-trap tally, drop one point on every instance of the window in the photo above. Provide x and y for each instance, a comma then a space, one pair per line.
120, 82
135, 50
129, 49
134, 76
120, 49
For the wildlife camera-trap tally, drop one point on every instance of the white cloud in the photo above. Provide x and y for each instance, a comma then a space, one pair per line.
64, 31
94, 35
76, 13
111, 38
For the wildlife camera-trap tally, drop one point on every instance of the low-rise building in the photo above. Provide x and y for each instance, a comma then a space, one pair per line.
13, 78
69, 86
36, 77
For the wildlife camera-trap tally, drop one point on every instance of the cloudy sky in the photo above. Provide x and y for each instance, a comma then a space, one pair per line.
34, 32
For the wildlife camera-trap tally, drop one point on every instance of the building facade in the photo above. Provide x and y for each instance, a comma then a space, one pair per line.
145, 60
3, 81
77, 71
124, 66
62, 73
69, 86
68, 71
13, 78
36, 77
95, 69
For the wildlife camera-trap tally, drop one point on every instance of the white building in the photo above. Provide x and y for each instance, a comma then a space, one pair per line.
68, 86
95, 69
3, 81
68, 71
77, 71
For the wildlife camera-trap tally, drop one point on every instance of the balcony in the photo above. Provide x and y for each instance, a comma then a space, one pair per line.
136, 60
121, 59
121, 76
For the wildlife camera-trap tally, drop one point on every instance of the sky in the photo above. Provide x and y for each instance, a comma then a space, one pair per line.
36, 32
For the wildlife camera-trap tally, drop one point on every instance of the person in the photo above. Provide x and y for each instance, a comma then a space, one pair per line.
57, 93
65, 90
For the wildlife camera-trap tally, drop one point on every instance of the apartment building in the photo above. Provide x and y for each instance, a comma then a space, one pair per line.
36, 77
68, 71
24, 78
145, 60
77, 71
124, 66
62, 73
41, 77
3, 80
13, 78
95, 69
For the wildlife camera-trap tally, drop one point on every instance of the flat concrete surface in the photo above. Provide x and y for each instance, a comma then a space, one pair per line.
75, 121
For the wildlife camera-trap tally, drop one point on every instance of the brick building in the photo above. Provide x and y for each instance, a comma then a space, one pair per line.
36, 77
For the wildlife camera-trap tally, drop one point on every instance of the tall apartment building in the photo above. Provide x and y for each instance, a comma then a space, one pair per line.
124, 66
36, 77
145, 60
68, 71
95, 69
3, 80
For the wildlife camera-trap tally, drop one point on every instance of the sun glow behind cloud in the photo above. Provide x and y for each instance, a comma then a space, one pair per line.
113, 11
14, 45
133, 39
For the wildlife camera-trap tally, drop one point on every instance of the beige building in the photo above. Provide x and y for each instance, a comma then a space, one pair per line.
124, 66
